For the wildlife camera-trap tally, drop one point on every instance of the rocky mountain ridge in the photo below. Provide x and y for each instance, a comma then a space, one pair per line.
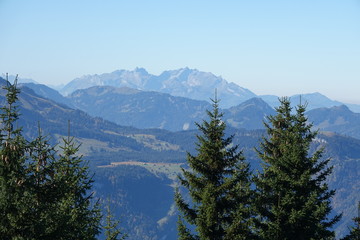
184, 82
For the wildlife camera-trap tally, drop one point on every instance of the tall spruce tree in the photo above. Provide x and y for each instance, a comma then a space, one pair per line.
218, 183
80, 217
15, 188
22, 176
293, 199
44, 189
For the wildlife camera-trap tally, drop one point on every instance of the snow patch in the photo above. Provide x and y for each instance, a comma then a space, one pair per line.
186, 126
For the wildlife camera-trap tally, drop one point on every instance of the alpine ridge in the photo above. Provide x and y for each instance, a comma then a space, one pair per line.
184, 82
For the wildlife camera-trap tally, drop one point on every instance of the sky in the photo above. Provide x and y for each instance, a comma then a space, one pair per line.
277, 47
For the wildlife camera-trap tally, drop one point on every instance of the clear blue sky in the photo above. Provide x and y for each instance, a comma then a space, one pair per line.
268, 46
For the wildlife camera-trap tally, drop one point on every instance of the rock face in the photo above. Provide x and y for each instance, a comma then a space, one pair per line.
184, 82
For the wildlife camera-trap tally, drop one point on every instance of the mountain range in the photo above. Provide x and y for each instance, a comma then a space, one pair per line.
183, 82
149, 109
193, 84
136, 168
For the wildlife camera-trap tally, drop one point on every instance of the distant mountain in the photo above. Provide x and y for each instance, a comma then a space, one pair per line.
20, 79
249, 114
137, 79
199, 85
47, 92
336, 119
141, 109
353, 107
313, 100
185, 82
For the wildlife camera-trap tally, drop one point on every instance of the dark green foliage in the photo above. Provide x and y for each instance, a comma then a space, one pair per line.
41, 171
218, 184
15, 194
42, 196
80, 219
293, 200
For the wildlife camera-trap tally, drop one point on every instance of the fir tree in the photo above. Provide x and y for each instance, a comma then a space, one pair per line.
293, 199
80, 217
15, 195
44, 189
219, 187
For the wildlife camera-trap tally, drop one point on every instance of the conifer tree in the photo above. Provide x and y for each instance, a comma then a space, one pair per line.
293, 199
80, 218
45, 194
26, 191
42, 196
15, 196
218, 184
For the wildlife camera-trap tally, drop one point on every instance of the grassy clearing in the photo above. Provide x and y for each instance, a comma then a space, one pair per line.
171, 170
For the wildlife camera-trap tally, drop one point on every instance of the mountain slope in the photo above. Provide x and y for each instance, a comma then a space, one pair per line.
119, 78
47, 92
313, 100
336, 119
249, 114
130, 107
201, 86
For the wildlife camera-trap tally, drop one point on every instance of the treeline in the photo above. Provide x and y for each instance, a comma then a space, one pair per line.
288, 199
44, 193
